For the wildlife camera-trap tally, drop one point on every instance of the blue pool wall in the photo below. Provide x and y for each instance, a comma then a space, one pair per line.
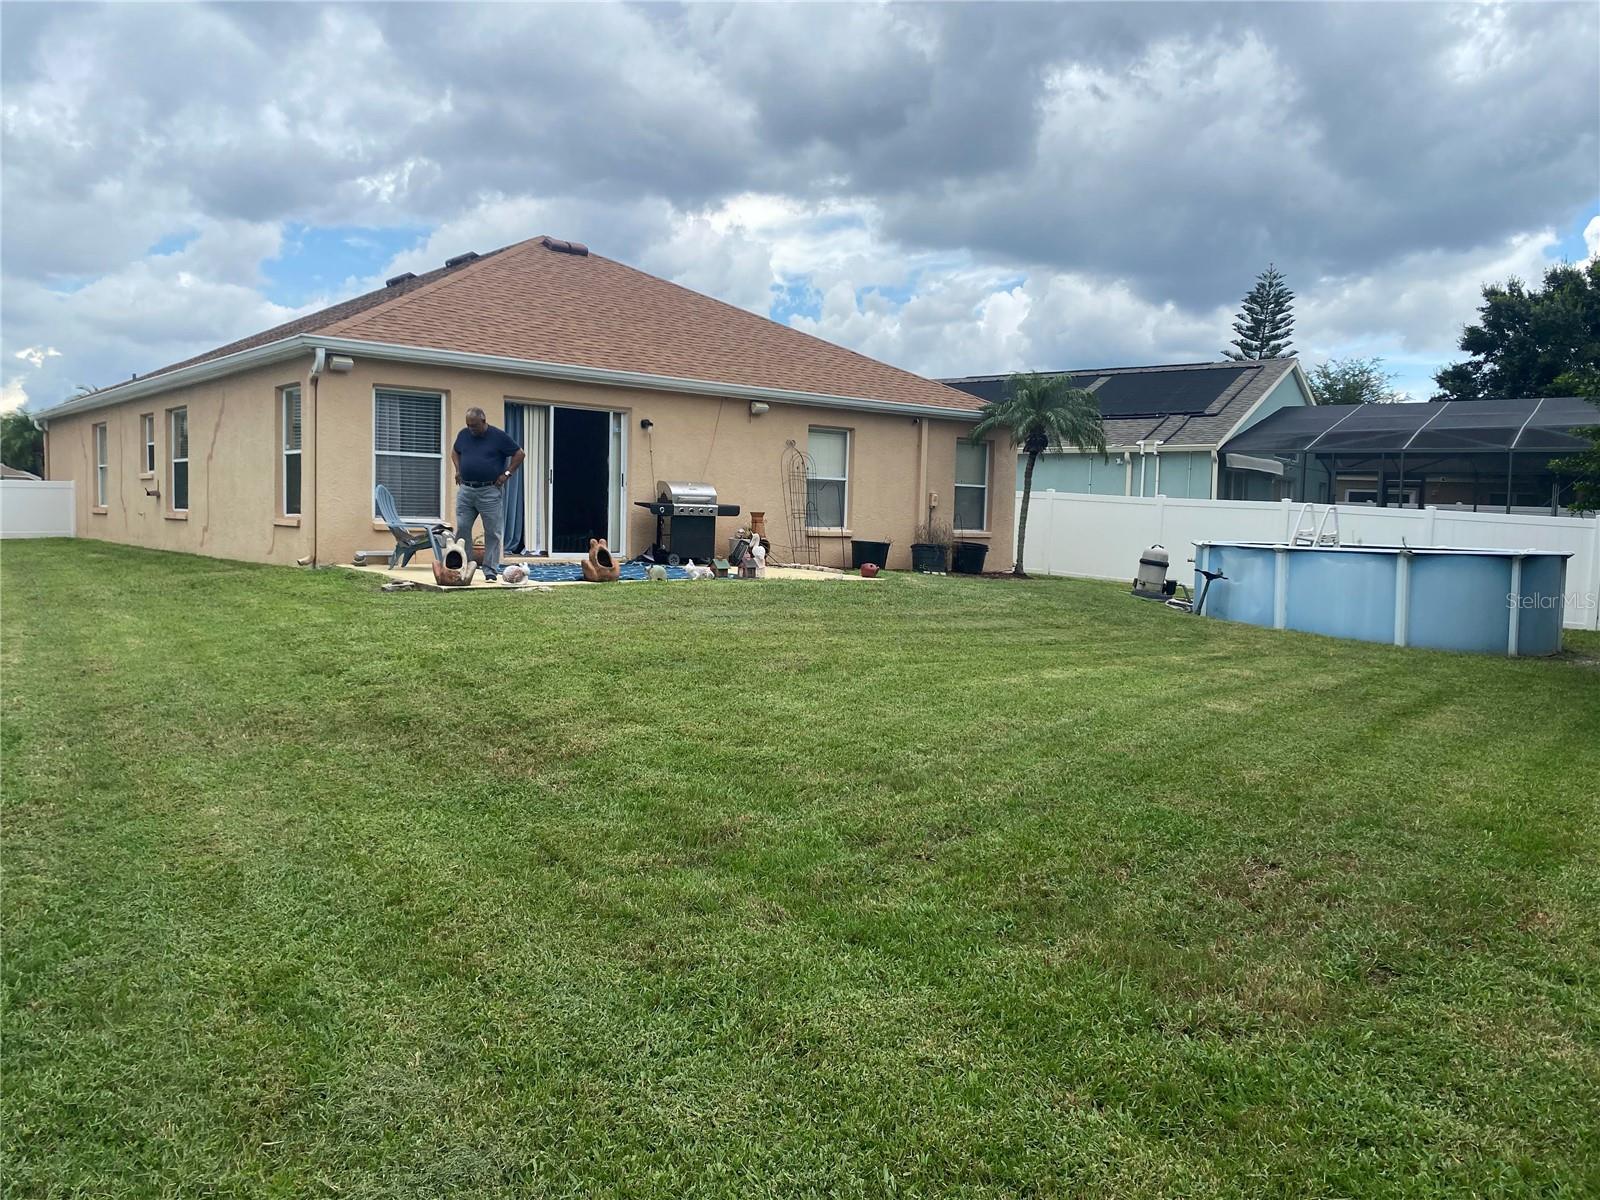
1454, 600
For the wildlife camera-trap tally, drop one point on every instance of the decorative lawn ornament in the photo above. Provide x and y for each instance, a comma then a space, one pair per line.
515, 574
456, 568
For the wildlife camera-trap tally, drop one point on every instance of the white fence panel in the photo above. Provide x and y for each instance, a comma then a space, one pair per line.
33, 508
1100, 537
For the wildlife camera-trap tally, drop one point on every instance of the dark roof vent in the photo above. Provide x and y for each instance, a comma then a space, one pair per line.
561, 247
400, 278
460, 258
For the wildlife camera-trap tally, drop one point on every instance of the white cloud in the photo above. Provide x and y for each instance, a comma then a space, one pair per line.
153, 311
965, 188
34, 356
13, 395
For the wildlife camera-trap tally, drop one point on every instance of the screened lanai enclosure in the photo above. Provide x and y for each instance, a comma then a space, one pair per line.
1484, 455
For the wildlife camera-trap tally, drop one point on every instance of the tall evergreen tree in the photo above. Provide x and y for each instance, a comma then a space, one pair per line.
1265, 320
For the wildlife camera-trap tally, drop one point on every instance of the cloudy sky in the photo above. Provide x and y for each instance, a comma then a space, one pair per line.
954, 189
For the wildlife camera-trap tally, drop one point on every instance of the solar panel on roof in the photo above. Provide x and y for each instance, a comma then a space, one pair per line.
1158, 393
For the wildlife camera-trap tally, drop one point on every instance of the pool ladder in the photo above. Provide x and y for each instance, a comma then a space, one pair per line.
1310, 531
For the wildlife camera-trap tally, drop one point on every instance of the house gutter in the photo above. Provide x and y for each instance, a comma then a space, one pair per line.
301, 343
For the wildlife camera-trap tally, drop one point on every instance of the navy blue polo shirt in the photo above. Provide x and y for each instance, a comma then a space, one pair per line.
483, 456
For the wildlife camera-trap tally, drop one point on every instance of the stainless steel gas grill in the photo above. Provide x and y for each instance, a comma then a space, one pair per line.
686, 521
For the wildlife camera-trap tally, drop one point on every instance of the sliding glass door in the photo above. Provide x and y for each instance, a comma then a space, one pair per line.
574, 483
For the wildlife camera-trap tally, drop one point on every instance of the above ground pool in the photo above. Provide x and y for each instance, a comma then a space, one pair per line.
1485, 601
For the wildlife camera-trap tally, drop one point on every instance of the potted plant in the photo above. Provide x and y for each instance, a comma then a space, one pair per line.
930, 547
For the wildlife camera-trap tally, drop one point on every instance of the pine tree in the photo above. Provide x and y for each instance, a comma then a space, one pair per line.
1265, 319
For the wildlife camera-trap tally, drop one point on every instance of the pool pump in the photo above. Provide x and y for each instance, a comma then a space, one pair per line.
1151, 583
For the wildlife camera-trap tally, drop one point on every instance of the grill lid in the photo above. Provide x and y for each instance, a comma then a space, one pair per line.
677, 492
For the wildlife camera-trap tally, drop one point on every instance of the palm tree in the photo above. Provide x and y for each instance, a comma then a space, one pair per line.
1038, 411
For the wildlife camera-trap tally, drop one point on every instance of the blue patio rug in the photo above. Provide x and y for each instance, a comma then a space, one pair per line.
564, 572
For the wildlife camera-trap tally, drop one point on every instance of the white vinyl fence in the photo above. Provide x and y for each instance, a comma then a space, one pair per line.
1100, 537
33, 508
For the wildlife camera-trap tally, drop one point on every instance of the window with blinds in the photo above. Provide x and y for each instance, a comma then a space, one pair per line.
408, 450
289, 485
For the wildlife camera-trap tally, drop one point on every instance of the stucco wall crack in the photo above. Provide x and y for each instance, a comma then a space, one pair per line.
211, 452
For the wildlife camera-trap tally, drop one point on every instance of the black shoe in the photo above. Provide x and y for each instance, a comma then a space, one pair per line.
491, 576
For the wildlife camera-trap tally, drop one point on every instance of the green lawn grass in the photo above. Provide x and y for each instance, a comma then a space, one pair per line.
934, 886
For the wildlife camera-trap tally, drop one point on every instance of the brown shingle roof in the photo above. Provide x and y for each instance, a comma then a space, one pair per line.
531, 302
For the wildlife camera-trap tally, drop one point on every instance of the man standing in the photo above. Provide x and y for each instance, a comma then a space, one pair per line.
484, 459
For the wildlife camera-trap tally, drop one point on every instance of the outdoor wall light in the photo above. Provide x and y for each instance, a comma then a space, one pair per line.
646, 424
758, 407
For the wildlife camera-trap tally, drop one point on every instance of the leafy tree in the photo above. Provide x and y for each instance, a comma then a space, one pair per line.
21, 442
1265, 320
1527, 339
1353, 381
1583, 468
1037, 411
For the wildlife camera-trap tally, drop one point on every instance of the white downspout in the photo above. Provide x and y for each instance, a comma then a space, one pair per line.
319, 364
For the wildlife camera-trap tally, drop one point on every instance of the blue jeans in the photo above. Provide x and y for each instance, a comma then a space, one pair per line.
487, 502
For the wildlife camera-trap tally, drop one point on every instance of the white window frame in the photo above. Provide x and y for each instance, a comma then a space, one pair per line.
173, 459
443, 455
147, 433
844, 507
102, 466
955, 487
285, 453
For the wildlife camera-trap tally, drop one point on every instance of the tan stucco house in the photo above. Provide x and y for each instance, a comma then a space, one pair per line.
268, 448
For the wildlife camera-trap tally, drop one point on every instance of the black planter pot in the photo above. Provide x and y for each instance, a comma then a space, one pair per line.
930, 559
862, 553
969, 558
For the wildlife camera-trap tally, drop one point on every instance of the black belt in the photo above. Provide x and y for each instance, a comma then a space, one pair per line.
477, 483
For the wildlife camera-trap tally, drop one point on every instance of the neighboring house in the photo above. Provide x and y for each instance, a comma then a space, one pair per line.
268, 448
1477, 454
1165, 426
7, 472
